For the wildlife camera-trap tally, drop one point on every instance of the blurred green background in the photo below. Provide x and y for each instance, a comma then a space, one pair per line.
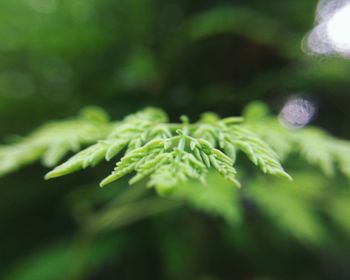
187, 57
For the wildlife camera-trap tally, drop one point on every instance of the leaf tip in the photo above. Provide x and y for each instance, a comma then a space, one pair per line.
51, 175
107, 181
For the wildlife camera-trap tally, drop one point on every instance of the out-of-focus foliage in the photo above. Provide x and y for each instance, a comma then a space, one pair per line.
217, 198
65, 258
313, 144
54, 140
186, 57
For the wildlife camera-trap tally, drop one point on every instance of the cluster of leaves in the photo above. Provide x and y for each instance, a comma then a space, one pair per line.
54, 140
170, 153
311, 143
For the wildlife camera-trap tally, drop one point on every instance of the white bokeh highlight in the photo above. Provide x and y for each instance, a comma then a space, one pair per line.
297, 112
338, 29
331, 34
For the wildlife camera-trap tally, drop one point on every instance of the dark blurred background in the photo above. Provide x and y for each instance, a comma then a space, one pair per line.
187, 57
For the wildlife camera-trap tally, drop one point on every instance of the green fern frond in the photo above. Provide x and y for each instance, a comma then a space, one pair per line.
341, 150
316, 147
168, 154
54, 140
258, 152
312, 144
130, 133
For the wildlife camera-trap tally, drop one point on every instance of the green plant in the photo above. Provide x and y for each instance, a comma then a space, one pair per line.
178, 159
167, 153
170, 153
168, 156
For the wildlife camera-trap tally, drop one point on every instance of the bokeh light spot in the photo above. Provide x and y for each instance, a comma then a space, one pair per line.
331, 34
338, 29
297, 112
